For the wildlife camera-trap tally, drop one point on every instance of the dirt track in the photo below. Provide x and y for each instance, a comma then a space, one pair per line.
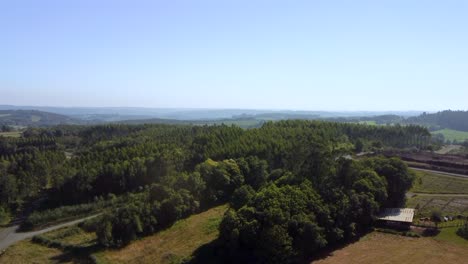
10, 235
441, 172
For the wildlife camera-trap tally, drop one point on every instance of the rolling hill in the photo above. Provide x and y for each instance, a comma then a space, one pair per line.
24, 118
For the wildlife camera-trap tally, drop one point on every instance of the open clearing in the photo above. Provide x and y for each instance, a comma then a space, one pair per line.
16, 134
27, 252
386, 248
171, 245
451, 134
449, 149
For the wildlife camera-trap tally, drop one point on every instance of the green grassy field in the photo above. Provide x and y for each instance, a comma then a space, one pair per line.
28, 252
370, 123
16, 134
428, 182
449, 235
451, 134
35, 118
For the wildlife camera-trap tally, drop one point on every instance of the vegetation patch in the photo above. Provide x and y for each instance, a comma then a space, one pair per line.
67, 213
449, 235
13, 134
168, 246
26, 252
429, 182
448, 204
450, 134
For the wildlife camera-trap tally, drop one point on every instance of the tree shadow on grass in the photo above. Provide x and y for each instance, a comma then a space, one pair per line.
214, 252
210, 253
77, 255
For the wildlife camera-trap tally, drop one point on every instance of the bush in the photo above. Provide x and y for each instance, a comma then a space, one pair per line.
66, 212
90, 225
4, 215
395, 232
463, 231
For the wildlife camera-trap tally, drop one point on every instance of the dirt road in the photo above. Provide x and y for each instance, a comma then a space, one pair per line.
440, 172
10, 235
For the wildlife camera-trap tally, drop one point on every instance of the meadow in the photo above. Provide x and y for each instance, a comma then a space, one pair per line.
450, 134
429, 182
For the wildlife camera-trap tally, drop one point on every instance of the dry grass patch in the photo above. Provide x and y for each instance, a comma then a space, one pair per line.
386, 248
171, 245
15, 134
29, 253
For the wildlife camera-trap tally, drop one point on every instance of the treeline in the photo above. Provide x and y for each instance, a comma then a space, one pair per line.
457, 120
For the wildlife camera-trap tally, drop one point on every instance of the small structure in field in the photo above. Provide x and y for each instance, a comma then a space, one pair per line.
396, 217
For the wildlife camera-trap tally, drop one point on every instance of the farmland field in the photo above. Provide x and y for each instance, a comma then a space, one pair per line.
429, 182
447, 204
432, 191
451, 134
386, 248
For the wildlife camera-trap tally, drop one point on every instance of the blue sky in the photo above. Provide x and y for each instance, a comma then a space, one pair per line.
309, 55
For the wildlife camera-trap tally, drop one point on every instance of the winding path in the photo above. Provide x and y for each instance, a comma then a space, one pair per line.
10, 235
440, 172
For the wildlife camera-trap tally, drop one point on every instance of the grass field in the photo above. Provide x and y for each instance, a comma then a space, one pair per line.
370, 123
386, 248
27, 252
451, 134
72, 235
171, 245
428, 182
16, 134
449, 235
35, 118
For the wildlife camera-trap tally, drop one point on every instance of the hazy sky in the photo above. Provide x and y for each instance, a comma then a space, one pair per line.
311, 55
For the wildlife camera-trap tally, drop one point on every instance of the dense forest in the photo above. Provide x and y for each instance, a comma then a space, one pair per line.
457, 120
292, 186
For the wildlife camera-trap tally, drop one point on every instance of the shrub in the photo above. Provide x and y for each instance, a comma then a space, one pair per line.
66, 212
463, 231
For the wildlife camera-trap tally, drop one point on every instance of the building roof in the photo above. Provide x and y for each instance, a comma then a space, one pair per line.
397, 214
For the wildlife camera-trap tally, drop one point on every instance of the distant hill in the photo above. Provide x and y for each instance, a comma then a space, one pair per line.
33, 118
112, 114
241, 122
456, 120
